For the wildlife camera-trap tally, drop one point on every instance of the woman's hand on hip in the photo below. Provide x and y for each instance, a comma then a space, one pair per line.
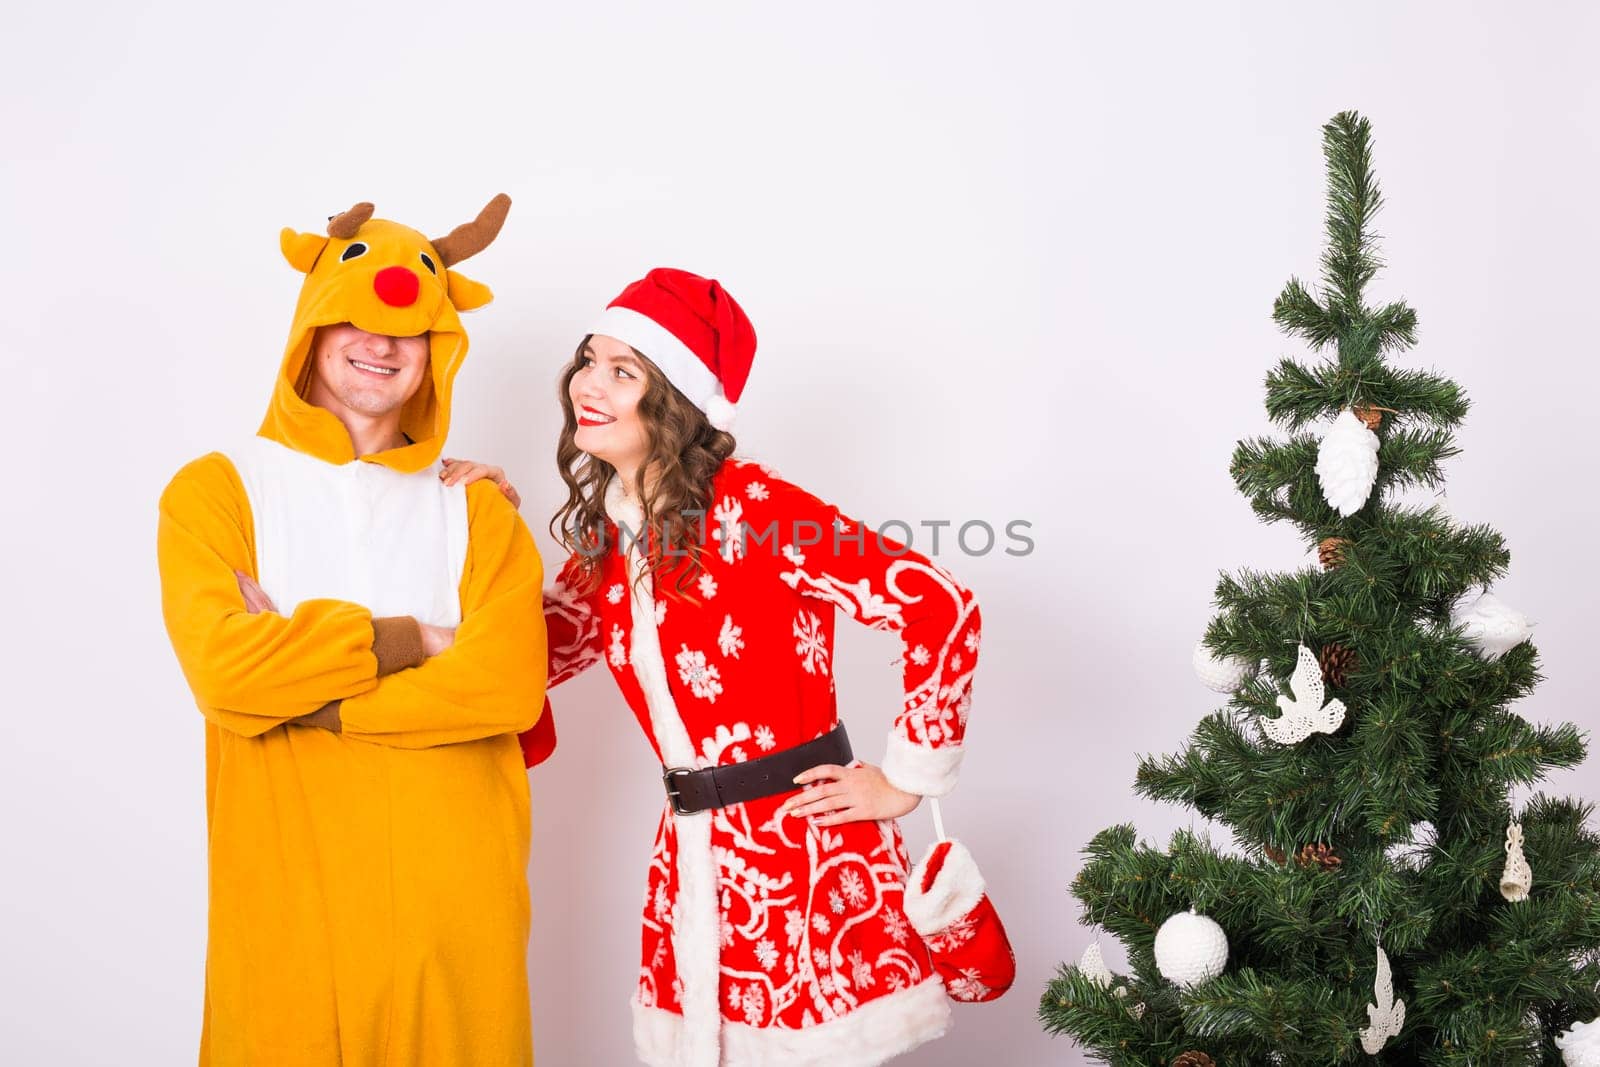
466, 472
835, 795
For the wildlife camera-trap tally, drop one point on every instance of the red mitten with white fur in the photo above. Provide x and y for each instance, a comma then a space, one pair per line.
949, 907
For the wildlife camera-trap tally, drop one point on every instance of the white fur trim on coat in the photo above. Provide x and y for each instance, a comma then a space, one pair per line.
877, 1031
697, 916
914, 768
956, 891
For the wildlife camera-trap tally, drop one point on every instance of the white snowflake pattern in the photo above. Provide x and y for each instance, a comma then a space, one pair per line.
967, 986
854, 890
825, 984
663, 905
819, 959
955, 662
733, 995
894, 924
794, 926
702, 678
708, 586
756, 491
820, 923
731, 639
765, 740
920, 656
661, 612
614, 594
794, 555
754, 1003
953, 936
737, 754
618, 649
727, 933
972, 642
896, 982
811, 645
729, 534
767, 954
835, 902
861, 971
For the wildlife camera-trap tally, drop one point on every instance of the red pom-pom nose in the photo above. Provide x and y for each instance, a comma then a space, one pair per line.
396, 286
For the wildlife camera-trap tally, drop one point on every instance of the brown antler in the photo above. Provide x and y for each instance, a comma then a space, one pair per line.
345, 226
473, 237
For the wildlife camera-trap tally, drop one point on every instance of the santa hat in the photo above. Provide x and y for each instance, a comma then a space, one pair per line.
693, 330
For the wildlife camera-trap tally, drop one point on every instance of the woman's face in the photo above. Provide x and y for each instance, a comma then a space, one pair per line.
605, 394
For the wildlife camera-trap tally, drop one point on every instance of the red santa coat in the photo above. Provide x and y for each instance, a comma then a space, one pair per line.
765, 941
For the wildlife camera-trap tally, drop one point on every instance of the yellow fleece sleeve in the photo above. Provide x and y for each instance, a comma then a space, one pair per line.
249, 673
491, 679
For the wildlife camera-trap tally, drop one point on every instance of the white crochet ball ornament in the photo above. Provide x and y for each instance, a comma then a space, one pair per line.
1190, 948
1222, 674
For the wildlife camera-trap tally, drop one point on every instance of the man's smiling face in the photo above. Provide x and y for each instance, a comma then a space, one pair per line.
365, 373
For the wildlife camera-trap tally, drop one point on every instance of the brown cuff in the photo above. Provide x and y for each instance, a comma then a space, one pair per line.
397, 642
326, 717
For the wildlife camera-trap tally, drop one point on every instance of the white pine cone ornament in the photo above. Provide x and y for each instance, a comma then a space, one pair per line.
1580, 1045
1490, 625
1222, 674
1347, 463
1190, 948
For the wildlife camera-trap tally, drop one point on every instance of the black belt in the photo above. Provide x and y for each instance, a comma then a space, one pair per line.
692, 791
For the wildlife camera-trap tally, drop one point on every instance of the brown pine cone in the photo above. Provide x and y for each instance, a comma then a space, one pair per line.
1276, 855
1318, 855
1194, 1059
1337, 663
1330, 550
1372, 416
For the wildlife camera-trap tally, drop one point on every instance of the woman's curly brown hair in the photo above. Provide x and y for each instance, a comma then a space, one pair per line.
684, 448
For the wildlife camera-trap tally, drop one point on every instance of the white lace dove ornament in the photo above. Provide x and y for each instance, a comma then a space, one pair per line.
1490, 625
1388, 1015
1305, 714
1580, 1045
1347, 463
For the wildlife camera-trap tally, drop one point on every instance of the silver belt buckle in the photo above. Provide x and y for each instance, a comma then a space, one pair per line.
667, 774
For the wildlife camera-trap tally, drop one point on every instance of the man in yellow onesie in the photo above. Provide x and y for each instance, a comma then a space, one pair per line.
365, 644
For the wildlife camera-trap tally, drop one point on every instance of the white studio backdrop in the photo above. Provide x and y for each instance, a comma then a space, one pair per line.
1008, 262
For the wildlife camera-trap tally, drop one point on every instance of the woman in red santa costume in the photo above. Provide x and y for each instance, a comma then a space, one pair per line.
775, 916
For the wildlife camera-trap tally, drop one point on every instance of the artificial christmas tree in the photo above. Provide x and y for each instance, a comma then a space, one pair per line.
1362, 903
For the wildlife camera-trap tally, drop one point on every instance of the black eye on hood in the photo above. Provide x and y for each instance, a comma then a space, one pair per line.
355, 251
427, 261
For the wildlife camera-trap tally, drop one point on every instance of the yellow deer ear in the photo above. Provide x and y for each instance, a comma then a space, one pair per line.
301, 249
465, 293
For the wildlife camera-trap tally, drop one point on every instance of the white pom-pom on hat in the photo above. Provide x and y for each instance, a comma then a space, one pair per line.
721, 411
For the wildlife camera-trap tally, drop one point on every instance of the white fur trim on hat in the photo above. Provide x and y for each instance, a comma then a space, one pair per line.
914, 768
955, 892
677, 361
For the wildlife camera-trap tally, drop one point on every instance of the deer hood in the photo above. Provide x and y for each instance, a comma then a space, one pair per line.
389, 279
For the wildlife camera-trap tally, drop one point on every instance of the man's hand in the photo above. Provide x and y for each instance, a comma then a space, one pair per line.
847, 794
435, 639
255, 598
466, 472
